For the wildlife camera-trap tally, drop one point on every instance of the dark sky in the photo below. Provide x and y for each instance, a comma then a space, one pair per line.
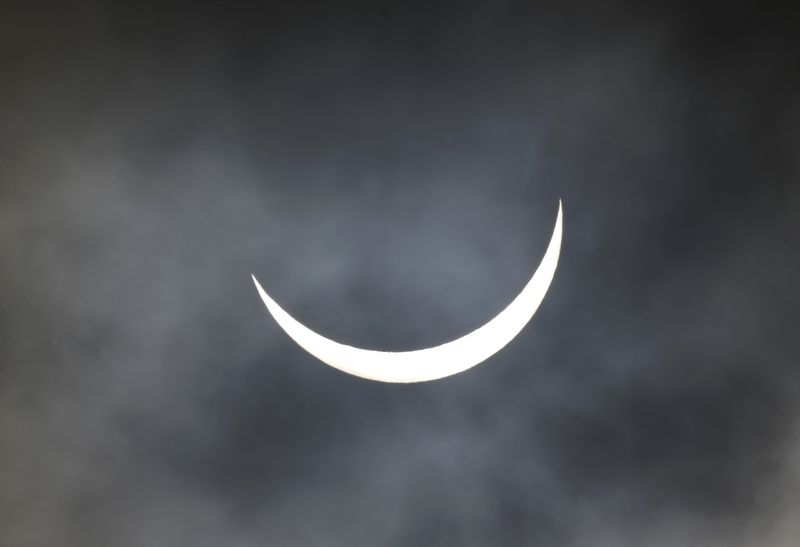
391, 172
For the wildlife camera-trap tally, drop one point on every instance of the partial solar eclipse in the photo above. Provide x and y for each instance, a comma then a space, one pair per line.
437, 362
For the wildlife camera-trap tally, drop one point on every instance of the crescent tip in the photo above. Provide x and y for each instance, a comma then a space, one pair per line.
260, 289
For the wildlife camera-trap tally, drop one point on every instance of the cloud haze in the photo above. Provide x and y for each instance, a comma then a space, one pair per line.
391, 174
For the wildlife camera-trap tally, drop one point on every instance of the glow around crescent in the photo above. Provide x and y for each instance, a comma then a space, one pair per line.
430, 363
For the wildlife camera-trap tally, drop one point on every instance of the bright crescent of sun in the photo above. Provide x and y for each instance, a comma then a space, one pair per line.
427, 364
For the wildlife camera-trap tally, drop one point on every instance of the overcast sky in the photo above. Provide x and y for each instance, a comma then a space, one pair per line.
391, 173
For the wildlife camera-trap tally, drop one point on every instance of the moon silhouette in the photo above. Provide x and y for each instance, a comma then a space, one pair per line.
436, 362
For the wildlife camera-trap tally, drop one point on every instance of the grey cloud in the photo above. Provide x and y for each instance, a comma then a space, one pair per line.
392, 179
